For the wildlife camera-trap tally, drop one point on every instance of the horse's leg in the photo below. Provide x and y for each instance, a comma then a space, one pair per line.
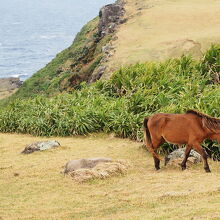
155, 156
187, 152
156, 163
156, 143
204, 155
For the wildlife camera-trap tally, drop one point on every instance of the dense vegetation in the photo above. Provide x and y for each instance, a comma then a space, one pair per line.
120, 104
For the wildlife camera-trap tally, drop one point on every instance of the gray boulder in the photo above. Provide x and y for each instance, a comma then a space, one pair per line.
89, 163
110, 16
40, 146
180, 153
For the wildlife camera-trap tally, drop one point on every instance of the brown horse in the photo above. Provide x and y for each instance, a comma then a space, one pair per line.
191, 128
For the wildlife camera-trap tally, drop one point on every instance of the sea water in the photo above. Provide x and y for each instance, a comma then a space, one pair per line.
32, 32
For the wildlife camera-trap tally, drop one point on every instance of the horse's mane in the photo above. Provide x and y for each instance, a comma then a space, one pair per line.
209, 122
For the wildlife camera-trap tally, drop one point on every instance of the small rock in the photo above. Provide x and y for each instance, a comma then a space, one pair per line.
100, 171
122, 21
194, 157
16, 174
110, 54
40, 146
114, 38
105, 49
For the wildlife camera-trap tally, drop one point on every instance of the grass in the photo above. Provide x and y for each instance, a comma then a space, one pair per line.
31, 186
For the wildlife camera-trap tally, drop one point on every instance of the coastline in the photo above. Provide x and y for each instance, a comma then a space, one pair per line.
9, 86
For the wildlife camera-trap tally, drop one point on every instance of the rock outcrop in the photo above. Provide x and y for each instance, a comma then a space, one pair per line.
110, 16
8, 84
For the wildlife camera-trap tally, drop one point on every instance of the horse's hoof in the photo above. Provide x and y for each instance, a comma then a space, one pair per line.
183, 168
208, 170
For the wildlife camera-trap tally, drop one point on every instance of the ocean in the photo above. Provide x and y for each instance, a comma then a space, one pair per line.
32, 32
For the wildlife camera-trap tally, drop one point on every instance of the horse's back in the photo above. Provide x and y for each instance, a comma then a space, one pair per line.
157, 122
175, 128
159, 119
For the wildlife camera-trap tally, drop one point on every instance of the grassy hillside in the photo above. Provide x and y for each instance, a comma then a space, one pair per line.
162, 29
120, 104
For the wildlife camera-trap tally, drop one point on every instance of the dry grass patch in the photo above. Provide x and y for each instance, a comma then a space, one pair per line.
162, 29
31, 186
5, 94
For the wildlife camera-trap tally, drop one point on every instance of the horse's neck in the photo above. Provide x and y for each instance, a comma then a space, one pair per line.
215, 137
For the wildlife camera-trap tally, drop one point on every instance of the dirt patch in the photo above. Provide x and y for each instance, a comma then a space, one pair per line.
5, 94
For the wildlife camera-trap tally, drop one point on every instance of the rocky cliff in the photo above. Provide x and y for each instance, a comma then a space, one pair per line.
83, 60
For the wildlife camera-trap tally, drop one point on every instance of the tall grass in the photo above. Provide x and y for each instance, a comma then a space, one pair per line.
120, 104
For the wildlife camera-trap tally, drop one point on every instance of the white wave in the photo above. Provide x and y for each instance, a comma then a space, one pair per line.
48, 36
22, 75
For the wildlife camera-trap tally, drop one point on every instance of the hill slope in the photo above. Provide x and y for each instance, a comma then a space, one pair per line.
80, 61
157, 30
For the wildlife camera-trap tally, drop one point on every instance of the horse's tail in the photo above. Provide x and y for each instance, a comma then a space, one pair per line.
147, 139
